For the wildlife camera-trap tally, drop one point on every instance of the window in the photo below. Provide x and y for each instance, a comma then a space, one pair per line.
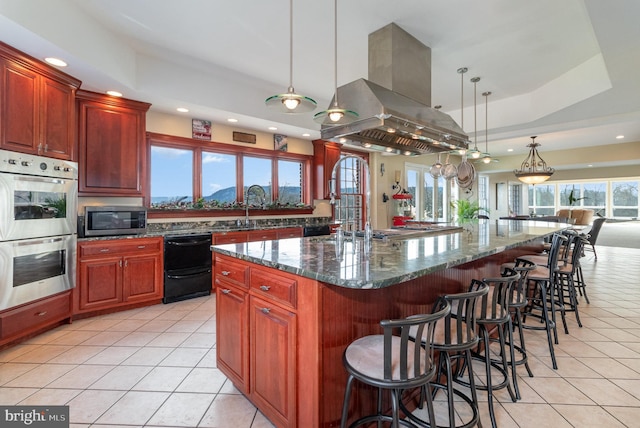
542, 200
171, 175
514, 198
289, 179
349, 208
429, 194
196, 174
624, 198
612, 199
483, 193
218, 177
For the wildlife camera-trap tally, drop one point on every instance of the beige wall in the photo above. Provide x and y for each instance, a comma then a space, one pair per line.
180, 126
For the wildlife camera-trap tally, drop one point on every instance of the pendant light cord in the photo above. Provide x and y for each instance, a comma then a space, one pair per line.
475, 81
335, 51
486, 121
291, 44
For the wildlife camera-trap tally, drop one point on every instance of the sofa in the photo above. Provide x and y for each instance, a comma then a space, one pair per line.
582, 216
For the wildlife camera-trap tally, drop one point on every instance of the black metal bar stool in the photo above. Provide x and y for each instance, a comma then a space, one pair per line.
543, 297
493, 312
456, 335
394, 363
518, 300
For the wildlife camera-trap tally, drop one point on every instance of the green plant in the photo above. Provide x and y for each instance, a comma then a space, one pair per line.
573, 199
466, 209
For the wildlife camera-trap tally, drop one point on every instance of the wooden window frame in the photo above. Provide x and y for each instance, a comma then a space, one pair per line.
198, 146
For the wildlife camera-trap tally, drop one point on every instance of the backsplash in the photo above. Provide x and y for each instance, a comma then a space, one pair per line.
236, 224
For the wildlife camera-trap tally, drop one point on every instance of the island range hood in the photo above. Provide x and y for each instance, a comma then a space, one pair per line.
393, 106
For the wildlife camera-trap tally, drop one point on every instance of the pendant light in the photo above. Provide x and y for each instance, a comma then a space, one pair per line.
486, 157
291, 102
335, 115
534, 169
475, 153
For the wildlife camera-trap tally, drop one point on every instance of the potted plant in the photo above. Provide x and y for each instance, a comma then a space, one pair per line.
572, 201
467, 210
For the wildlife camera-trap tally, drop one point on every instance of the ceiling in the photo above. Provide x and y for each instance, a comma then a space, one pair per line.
563, 70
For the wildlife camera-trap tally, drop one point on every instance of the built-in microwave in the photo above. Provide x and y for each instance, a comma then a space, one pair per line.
114, 220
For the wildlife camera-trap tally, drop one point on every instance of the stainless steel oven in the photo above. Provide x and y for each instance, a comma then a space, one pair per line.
36, 268
38, 214
38, 196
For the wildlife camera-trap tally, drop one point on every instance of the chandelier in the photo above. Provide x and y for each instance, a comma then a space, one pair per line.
534, 169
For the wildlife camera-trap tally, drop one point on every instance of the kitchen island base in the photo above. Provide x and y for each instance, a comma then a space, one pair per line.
298, 357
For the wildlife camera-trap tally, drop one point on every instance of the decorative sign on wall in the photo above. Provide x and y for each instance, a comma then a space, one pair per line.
242, 137
201, 129
280, 142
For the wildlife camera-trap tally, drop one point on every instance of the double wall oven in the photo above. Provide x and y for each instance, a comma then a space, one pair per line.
38, 214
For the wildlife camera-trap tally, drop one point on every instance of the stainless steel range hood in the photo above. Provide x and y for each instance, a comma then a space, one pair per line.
395, 113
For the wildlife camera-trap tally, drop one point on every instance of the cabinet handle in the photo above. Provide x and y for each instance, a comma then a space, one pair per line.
142, 247
46, 148
265, 310
265, 287
104, 250
41, 314
225, 273
120, 263
226, 291
126, 263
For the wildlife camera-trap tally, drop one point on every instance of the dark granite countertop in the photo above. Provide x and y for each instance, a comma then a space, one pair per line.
390, 261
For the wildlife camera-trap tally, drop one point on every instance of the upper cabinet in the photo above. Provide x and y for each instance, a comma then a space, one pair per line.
325, 156
111, 136
37, 113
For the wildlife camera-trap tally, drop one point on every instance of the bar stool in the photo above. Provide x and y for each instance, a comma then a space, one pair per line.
518, 300
394, 363
570, 274
456, 335
544, 296
493, 314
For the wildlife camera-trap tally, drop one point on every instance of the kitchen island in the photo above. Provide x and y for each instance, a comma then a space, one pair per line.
287, 309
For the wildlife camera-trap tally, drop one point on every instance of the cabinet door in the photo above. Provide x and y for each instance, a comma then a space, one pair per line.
58, 119
110, 147
141, 278
273, 361
232, 346
19, 108
100, 284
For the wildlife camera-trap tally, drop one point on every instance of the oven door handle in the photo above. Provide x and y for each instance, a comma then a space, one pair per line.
189, 243
39, 241
40, 180
189, 275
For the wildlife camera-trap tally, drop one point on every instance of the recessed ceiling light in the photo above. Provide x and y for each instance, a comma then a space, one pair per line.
589, 166
232, 120
273, 128
620, 137
182, 109
509, 150
114, 93
56, 61
306, 135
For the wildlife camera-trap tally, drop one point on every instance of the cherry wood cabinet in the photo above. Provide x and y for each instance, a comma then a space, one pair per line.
37, 114
118, 273
30, 318
111, 140
325, 156
238, 236
257, 322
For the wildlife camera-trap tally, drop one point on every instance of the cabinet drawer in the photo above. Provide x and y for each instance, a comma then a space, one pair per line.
274, 287
232, 271
120, 246
229, 238
263, 235
33, 316
290, 232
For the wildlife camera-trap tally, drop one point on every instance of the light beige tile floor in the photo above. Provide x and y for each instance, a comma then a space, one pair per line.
155, 366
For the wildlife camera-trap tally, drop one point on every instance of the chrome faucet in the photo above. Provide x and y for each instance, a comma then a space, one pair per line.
333, 184
258, 191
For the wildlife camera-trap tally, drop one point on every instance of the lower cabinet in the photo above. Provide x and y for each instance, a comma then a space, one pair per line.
257, 335
118, 272
272, 337
20, 322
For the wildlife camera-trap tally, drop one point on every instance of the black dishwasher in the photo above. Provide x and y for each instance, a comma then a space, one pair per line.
187, 267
